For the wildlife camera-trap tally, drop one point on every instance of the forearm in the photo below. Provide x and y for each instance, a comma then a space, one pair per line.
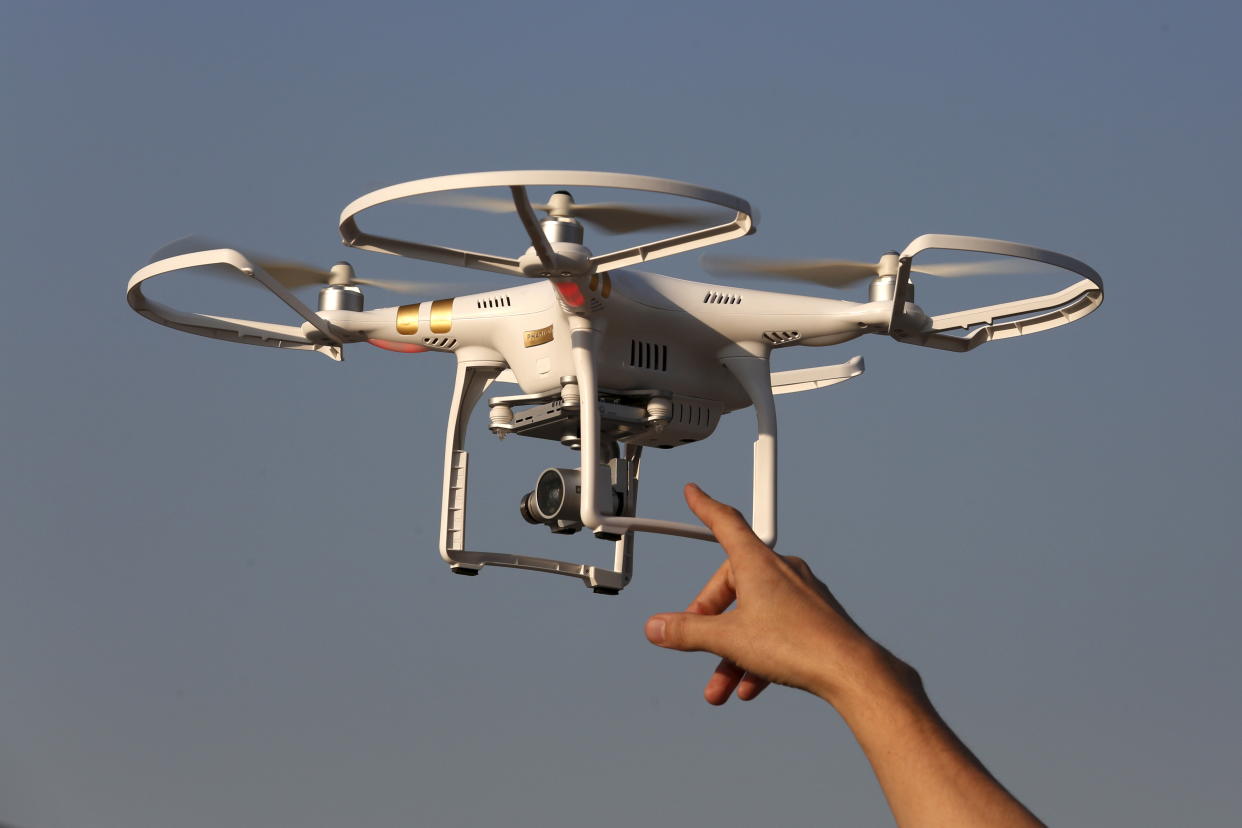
928, 776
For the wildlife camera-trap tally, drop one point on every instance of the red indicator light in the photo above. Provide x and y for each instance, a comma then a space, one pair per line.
571, 293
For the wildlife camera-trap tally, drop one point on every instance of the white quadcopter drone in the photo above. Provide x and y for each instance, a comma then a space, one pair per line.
605, 355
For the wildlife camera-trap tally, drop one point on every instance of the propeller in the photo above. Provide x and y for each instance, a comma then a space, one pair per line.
610, 216
836, 273
294, 274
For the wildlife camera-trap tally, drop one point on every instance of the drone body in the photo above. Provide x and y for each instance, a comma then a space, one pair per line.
656, 331
608, 359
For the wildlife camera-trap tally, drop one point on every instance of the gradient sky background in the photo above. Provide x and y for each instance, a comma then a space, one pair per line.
220, 598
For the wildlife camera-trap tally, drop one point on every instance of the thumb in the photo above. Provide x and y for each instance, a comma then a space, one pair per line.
685, 631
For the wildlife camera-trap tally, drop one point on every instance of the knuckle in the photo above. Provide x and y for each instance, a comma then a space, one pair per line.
798, 565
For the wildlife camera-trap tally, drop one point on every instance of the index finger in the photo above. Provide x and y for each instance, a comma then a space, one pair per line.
732, 531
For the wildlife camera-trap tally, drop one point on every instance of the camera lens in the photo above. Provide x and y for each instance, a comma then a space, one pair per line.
554, 501
524, 509
550, 493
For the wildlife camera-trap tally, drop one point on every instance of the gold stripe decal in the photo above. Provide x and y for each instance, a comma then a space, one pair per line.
407, 319
442, 316
607, 286
539, 337
594, 285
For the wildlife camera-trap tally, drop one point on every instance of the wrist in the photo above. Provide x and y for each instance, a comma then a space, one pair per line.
876, 683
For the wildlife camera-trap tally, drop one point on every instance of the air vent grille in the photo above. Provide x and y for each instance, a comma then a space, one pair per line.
782, 337
690, 414
443, 342
717, 298
648, 355
501, 301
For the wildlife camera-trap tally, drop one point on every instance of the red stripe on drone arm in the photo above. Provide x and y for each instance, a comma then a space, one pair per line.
399, 347
571, 293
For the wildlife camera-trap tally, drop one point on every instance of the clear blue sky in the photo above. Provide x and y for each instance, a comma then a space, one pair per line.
220, 598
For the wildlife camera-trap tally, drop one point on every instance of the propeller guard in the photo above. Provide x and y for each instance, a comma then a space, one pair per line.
742, 224
267, 334
1038, 313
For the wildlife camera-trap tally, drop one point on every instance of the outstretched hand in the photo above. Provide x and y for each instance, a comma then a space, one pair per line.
786, 627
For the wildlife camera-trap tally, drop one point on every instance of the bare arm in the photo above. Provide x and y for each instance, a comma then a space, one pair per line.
788, 628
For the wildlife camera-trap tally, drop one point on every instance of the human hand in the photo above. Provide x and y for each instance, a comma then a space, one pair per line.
787, 627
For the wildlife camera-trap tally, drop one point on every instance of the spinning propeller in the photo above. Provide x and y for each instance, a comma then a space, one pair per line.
837, 273
610, 216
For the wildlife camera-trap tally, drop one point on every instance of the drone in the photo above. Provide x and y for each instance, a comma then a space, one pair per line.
610, 359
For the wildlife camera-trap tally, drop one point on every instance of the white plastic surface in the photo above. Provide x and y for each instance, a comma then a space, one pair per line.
248, 332
1038, 313
807, 379
353, 235
471, 382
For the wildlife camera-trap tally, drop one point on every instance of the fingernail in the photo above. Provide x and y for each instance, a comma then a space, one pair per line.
655, 630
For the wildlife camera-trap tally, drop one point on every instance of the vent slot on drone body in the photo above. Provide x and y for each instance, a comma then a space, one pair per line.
648, 355
690, 414
501, 301
782, 337
444, 343
717, 298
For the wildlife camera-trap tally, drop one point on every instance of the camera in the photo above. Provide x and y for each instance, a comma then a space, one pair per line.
556, 501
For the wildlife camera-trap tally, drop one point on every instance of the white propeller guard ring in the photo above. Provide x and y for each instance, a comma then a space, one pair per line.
742, 224
1038, 313
248, 332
